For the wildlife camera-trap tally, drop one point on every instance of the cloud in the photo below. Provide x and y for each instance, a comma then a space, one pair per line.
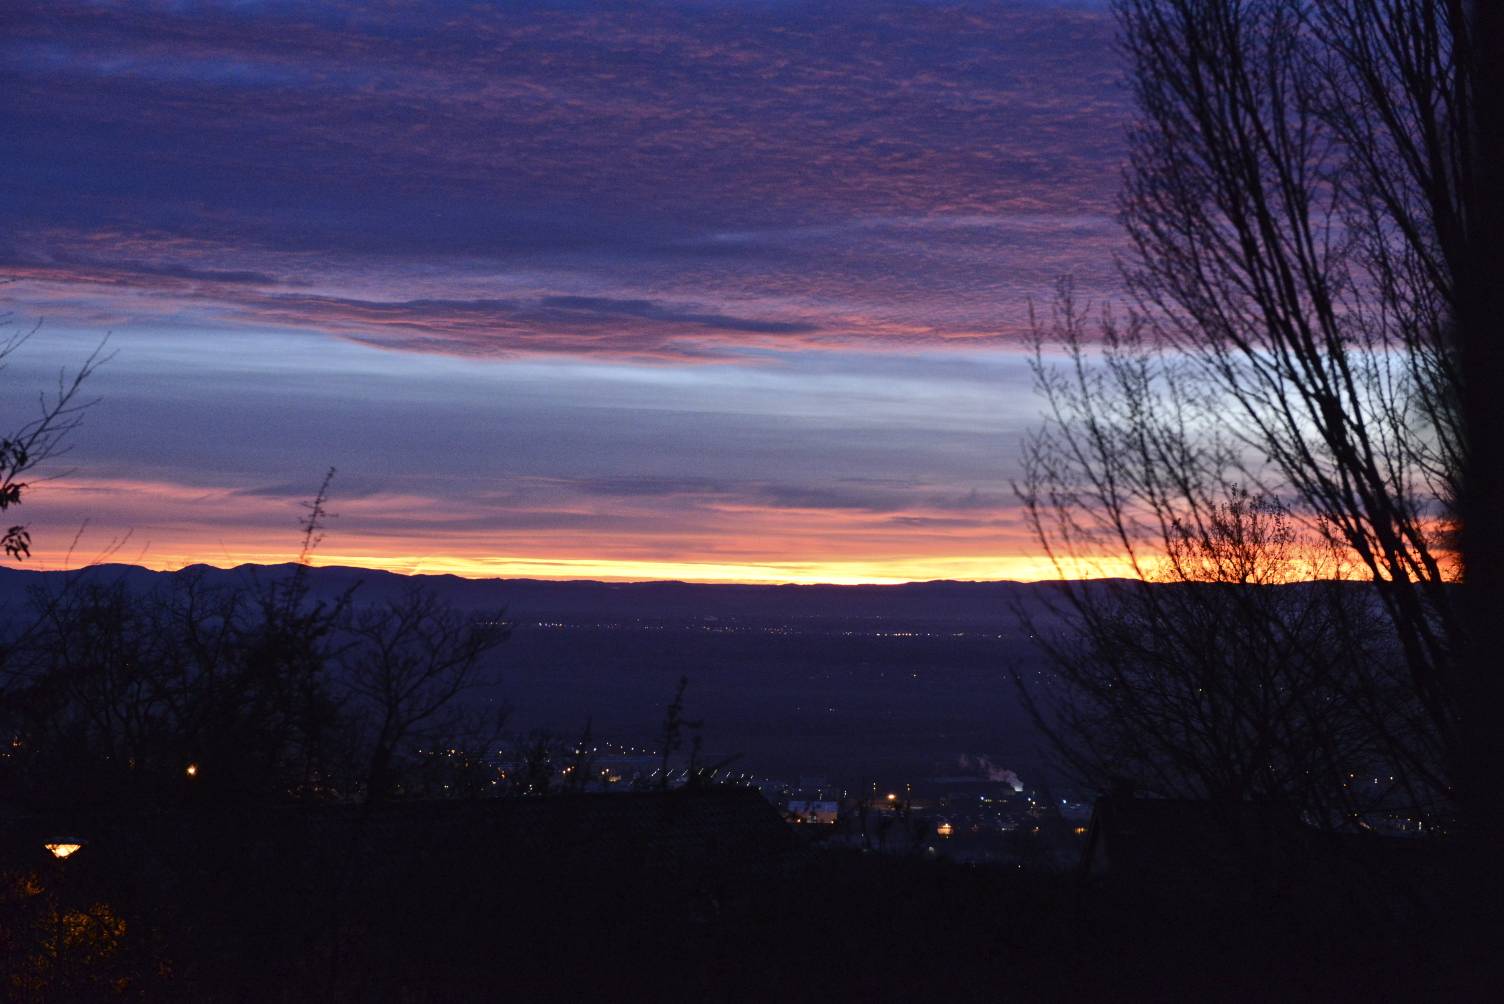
78, 270
574, 325
672, 181
550, 219
575, 308
650, 487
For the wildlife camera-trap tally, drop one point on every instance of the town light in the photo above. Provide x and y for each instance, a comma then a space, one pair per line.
191, 770
63, 848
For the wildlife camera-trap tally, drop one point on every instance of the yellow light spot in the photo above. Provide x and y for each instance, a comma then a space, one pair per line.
191, 770
63, 849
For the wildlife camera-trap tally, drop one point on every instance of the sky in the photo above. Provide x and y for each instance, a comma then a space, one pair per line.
715, 291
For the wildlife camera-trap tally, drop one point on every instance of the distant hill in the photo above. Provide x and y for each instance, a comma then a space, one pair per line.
940, 602
858, 682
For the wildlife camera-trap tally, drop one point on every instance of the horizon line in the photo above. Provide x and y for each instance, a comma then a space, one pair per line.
173, 568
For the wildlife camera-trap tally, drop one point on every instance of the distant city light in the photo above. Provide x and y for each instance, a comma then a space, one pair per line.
64, 848
191, 770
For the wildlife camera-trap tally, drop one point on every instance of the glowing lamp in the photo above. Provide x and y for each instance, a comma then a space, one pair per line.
61, 849
945, 829
191, 770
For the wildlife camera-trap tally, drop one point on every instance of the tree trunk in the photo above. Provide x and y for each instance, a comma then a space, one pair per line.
1480, 334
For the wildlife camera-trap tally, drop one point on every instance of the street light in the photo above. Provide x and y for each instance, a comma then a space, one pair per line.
61, 849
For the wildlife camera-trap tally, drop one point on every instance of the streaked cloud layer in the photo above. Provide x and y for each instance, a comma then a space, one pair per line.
652, 288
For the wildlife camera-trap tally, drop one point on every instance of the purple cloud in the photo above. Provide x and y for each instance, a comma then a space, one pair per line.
660, 180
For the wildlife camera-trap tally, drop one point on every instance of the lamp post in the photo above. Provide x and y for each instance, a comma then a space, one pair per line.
61, 848
64, 848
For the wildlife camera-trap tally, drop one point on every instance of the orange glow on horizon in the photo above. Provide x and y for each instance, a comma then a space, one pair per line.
166, 526
826, 571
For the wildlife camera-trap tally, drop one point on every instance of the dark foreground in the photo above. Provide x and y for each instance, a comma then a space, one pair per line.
675, 896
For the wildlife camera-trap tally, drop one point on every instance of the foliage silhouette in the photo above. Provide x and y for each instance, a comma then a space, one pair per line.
268, 692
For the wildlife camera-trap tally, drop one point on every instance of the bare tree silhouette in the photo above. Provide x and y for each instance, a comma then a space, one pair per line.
267, 691
40, 439
1303, 200
411, 663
